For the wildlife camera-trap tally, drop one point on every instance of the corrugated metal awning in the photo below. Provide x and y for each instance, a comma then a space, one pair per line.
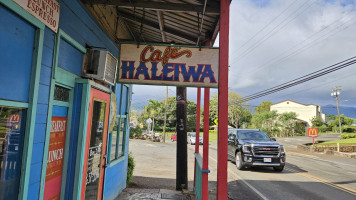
158, 21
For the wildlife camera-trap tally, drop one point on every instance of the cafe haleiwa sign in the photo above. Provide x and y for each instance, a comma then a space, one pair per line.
169, 65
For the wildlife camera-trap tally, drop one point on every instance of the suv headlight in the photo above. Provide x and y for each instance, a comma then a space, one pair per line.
246, 149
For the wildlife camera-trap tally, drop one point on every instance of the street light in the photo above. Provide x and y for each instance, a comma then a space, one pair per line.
335, 93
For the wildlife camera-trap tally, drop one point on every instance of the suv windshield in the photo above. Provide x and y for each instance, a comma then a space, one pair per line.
252, 135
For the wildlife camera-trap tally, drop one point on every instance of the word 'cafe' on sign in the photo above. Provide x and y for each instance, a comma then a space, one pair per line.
166, 65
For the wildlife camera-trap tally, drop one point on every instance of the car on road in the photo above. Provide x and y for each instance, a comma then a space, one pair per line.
253, 147
174, 137
191, 138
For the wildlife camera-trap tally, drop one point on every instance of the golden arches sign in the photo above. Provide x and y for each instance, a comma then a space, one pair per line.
312, 132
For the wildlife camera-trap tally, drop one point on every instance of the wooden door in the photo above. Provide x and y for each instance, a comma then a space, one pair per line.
95, 148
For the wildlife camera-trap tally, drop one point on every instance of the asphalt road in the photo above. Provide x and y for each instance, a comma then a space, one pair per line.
306, 175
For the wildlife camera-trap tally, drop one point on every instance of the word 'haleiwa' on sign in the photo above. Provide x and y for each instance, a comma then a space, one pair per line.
169, 65
47, 11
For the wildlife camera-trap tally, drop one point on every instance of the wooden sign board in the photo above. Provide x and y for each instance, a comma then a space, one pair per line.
169, 65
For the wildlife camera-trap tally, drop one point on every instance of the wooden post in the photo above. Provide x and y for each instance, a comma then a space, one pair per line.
182, 166
223, 99
205, 168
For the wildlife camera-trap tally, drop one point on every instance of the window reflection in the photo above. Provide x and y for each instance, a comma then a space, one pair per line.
12, 132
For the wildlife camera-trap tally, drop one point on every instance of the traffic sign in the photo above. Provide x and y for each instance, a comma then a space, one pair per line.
149, 120
216, 122
312, 132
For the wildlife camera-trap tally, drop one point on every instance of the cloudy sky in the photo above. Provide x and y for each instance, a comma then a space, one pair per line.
276, 41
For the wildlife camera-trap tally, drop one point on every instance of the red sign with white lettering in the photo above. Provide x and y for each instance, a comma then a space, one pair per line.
312, 132
55, 158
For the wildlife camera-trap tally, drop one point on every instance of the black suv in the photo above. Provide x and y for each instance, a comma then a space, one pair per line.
252, 147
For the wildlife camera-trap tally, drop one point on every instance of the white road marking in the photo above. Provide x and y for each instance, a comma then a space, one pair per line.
245, 182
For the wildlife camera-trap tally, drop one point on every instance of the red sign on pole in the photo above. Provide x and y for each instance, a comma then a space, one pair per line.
312, 132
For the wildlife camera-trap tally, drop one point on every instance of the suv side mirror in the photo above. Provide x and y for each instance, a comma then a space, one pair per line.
273, 139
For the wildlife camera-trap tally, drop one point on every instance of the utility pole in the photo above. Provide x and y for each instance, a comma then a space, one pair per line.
336, 92
165, 116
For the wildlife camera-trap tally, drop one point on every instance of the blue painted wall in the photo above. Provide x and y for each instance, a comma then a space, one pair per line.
115, 175
78, 24
17, 40
70, 58
41, 115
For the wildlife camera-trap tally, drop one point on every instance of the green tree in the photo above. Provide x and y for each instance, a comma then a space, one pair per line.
153, 110
317, 121
288, 123
238, 112
344, 121
266, 121
265, 106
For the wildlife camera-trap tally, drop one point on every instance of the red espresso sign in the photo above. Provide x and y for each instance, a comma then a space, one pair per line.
55, 158
169, 65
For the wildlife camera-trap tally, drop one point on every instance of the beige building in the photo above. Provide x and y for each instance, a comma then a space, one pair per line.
304, 112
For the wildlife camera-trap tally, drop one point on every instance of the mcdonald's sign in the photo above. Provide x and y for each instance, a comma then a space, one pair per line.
312, 132
14, 119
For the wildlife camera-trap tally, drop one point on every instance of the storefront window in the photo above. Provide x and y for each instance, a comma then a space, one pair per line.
113, 143
12, 132
61, 93
95, 150
122, 136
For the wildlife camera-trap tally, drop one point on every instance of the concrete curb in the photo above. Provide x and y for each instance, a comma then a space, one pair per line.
328, 152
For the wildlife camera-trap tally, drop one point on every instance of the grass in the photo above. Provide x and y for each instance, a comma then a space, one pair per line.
344, 142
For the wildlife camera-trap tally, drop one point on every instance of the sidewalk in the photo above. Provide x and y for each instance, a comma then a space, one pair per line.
153, 194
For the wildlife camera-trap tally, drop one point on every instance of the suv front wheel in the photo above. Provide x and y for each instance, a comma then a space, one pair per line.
279, 168
238, 161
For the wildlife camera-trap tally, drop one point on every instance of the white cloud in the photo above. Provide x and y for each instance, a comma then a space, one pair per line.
304, 38
308, 36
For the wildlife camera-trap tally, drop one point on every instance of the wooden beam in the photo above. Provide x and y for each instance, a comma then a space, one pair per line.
156, 26
161, 25
211, 8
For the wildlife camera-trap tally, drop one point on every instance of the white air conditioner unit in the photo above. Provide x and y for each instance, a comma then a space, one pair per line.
100, 65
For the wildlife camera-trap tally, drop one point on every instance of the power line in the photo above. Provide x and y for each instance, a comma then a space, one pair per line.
302, 79
261, 30
272, 32
306, 46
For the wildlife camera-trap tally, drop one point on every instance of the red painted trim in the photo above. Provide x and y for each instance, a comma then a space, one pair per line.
223, 99
197, 127
96, 94
206, 143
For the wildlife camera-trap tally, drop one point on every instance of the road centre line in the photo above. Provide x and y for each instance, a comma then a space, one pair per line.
245, 182
316, 158
350, 191
300, 154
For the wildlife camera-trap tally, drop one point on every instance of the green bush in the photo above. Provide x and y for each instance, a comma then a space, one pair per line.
323, 129
348, 129
347, 136
135, 132
130, 169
